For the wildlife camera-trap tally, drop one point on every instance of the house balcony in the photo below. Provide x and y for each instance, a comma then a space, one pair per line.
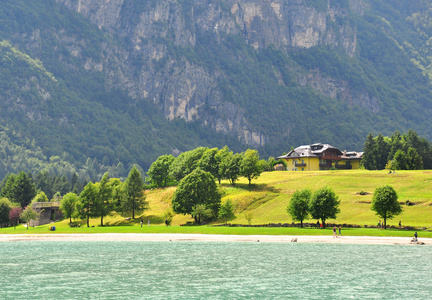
343, 167
300, 165
330, 157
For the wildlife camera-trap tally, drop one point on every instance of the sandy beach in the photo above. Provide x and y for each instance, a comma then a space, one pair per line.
174, 237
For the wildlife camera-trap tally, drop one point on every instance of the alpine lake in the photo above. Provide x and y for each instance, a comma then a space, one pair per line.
213, 270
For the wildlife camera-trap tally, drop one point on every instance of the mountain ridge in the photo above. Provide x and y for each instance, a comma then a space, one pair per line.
137, 80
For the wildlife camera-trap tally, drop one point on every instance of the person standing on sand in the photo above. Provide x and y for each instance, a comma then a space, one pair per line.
415, 236
334, 232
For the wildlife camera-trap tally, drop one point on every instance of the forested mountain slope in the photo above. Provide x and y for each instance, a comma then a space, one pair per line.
112, 83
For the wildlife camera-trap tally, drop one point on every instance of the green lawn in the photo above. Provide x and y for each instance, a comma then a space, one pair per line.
272, 192
62, 227
268, 198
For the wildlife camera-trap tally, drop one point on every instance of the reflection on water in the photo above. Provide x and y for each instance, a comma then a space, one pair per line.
198, 270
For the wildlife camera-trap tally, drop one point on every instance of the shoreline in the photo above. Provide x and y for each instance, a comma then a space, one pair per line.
180, 237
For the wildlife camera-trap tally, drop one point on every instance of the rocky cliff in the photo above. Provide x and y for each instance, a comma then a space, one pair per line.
120, 82
184, 89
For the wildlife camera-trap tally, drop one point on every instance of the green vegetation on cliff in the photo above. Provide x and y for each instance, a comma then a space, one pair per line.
80, 97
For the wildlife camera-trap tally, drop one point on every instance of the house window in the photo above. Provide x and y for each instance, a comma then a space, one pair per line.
294, 162
302, 161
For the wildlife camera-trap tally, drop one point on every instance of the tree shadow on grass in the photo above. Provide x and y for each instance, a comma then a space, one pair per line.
253, 187
137, 221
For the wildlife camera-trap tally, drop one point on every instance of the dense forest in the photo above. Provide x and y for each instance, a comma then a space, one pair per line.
81, 97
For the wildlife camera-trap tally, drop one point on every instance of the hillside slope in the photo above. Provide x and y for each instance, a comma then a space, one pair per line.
269, 198
112, 83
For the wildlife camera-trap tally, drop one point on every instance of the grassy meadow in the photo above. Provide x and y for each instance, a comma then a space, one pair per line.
267, 200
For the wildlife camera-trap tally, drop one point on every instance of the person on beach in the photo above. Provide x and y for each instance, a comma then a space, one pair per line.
148, 222
340, 234
318, 224
334, 232
400, 224
415, 236
141, 222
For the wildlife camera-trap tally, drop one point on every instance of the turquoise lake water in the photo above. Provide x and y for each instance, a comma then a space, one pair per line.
200, 270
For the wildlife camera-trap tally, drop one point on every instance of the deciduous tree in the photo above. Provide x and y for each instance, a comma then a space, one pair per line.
385, 204
199, 187
298, 207
221, 156
186, 162
67, 205
14, 215
230, 166
5, 208
249, 216
40, 197
201, 213
250, 165
324, 204
209, 162
158, 172
29, 214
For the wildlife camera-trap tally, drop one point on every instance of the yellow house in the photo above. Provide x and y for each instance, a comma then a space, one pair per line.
352, 159
320, 157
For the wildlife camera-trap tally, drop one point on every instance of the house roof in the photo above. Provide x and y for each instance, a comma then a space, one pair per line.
313, 150
352, 155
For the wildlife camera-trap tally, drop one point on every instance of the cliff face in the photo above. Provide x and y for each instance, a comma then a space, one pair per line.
121, 82
181, 88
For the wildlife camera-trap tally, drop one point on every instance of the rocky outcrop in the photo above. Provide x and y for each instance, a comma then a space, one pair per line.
339, 90
183, 89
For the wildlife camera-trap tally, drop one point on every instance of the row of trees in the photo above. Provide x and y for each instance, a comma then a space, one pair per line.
196, 172
11, 213
220, 163
101, 199
398, 152
23, 187
19, 189
324, 204
97, 200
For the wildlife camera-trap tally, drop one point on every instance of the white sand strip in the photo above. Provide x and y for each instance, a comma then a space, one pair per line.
175, 237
